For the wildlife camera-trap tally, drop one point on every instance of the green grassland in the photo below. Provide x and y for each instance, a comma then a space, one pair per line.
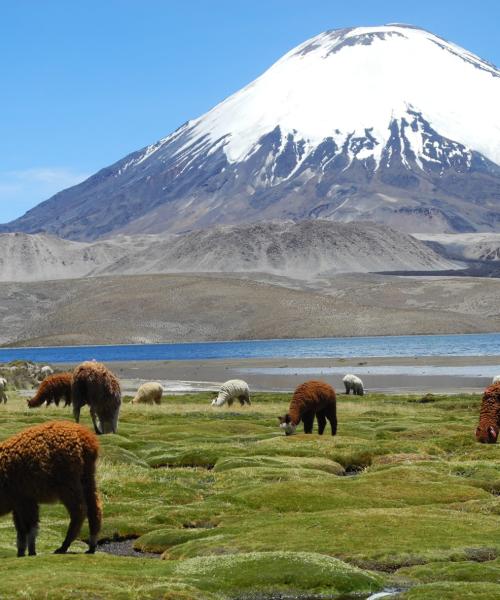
403, 497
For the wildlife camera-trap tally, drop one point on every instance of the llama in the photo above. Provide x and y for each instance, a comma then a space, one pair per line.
234, 389
53, 388
489, 416
309, 399
95, 385
354, 383
3, 388
43, 464
149, 393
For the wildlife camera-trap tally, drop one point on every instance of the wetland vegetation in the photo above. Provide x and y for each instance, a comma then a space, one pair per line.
236, 510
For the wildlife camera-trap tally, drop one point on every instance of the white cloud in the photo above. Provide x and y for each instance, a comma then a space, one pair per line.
22, 189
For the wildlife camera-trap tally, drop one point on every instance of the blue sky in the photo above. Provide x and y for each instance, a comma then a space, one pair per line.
85, 83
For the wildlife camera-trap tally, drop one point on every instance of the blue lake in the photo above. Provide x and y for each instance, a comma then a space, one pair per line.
486, 344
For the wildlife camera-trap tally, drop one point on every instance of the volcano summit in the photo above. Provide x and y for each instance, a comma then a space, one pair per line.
390, 124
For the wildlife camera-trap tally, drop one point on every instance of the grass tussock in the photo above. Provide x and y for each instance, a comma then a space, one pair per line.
402, 496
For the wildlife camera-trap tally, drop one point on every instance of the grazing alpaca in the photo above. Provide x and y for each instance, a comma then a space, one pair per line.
234, 389
149, 393
3, 387
95, 385
354, 383
45, 372
489, 416
53, 388
309, 399
43, 464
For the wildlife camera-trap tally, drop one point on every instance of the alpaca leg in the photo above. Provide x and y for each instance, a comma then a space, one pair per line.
347, 388
94, 510
74, 502
22, 534
32, 533
308, 419
115, 419
26, 522
321, 422
76, 412
247, 399
93, 416
332, 417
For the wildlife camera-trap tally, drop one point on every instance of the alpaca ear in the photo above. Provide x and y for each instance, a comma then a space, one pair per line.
281, 419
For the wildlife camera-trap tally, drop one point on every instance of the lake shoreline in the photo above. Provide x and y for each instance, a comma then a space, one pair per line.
186, 375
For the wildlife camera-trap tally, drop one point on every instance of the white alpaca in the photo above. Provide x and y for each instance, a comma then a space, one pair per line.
3, 387
149, 393
496, 379
234, 389
45, 372
354, 383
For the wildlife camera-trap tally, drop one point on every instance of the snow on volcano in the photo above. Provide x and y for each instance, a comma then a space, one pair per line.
391, 124
346, 82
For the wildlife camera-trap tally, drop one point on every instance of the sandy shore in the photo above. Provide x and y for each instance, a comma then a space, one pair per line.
420, 374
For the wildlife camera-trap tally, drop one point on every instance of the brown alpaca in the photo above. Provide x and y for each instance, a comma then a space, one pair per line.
43, 464
489, 416
309, 399
95, 385
53, 389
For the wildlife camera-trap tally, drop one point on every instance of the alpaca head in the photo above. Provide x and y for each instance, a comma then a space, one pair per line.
220, 399
287, 425
487, 434
107, 423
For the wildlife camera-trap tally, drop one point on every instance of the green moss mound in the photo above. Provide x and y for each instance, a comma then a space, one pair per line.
403, 496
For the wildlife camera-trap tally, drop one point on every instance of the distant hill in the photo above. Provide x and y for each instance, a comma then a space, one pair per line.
298, 250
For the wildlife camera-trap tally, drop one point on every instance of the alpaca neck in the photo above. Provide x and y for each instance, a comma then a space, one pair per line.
294, 415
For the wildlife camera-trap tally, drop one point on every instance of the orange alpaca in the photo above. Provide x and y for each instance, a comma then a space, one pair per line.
312, 398
46, 463
489, 417
53, 389
95, 385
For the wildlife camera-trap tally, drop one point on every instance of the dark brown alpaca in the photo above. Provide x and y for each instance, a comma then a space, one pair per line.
47, 463
95, 385
312, 398
489, 416
53, 388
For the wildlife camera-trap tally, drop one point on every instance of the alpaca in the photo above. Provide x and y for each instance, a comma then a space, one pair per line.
234, 389
354, 383
3, 387
43, 464
489, 417
95, 385
309, 399
53, 388
45, 371
149, 393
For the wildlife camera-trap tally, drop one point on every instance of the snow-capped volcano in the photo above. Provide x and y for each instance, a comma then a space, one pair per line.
345, 83
389, 123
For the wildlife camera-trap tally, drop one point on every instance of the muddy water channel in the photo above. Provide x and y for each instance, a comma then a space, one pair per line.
124, 548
